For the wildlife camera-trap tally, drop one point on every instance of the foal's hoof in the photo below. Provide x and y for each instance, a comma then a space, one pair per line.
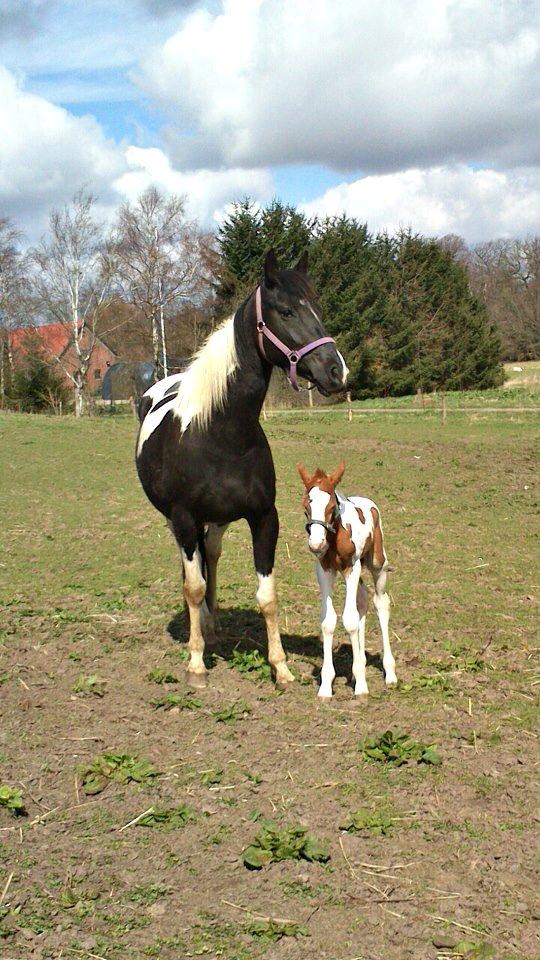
197, 680
361, 697
391, 684
323, 699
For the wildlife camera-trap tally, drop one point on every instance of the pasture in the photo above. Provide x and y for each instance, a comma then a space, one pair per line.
426, 860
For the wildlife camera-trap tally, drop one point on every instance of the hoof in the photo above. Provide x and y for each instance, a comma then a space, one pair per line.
323, 699
362, 697
282, 683
284, 678
197, 680
391, 684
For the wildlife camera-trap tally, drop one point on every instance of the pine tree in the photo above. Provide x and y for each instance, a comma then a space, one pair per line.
241, 255
346, 275
37, 387
285, 230
245, 237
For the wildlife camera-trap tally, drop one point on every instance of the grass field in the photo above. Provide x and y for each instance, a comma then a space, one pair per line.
438, 858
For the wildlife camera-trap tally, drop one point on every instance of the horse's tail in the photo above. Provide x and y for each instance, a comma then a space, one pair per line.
201, 542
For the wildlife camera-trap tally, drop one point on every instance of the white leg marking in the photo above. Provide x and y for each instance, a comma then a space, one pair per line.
326, 580
360, 676
194, 591
267, 600
351, 622
382, 605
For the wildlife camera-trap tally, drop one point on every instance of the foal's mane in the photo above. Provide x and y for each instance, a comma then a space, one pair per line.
203, 386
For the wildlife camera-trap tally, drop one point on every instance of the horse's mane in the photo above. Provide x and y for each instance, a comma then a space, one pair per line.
203, 386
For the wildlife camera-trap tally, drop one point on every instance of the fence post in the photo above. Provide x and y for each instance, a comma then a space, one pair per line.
444, 408
349, 407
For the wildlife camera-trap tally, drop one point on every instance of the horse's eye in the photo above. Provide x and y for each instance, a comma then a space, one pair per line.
287, 313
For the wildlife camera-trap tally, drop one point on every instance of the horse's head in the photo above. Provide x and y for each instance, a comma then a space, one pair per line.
320, 505
290, 328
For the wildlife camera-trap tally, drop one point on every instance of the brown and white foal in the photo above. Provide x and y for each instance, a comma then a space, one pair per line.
345, 535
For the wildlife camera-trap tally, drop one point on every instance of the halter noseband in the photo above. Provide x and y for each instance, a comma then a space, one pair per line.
329, 527
293, 356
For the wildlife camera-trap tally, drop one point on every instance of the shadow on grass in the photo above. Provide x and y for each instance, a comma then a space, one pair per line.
240, 628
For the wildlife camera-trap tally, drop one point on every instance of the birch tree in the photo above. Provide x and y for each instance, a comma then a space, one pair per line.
157, 254
74, 283
13, 296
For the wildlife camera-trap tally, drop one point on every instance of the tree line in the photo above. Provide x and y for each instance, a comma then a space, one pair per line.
410, 313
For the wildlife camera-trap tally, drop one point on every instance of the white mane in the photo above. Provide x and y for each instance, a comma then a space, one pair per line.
203, 385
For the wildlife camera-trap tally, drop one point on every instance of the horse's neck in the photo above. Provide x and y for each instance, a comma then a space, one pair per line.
249, 385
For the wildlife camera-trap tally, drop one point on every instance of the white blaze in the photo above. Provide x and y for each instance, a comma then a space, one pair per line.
318, 500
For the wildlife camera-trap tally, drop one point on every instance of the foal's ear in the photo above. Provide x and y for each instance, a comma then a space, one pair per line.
271, 269
302, 265
304, 475
337, 474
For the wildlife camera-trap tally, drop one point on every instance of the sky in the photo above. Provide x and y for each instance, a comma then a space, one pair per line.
420, 113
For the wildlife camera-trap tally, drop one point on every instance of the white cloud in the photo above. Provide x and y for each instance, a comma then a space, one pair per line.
477, 204
208, 192
354, 85
46, 154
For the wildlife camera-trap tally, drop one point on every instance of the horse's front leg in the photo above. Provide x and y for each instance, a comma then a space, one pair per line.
185, 532
264, 532
326, 580
212, 543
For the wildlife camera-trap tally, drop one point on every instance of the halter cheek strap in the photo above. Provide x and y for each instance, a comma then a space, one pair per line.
293, 356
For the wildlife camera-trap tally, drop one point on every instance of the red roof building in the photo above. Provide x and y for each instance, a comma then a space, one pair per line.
55, 341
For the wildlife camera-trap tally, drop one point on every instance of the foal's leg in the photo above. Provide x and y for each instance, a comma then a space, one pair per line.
362, 597
382, 605
327, 580
264, 532
185, 532
354, 624
213, 539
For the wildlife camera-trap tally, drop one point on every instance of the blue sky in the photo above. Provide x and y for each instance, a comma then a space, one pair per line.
409, 113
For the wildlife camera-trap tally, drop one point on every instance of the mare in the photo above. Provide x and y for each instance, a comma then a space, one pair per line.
203, 458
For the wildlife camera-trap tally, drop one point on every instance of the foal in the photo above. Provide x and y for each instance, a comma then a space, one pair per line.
345, 534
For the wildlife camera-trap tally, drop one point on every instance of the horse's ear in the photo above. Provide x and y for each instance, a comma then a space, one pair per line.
337, 474
271, 269
302, 265
304, 475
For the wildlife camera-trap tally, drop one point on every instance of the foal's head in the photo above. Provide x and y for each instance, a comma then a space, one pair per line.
320, 505
291, 311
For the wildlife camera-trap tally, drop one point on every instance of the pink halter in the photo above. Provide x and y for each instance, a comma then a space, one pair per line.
293, 356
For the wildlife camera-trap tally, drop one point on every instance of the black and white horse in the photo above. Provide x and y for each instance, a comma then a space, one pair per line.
203, 458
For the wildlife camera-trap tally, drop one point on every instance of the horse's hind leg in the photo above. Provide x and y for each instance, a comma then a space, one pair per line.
185, 531
264, 531
213, 539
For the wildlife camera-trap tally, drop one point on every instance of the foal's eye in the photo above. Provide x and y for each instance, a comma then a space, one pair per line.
287, 313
